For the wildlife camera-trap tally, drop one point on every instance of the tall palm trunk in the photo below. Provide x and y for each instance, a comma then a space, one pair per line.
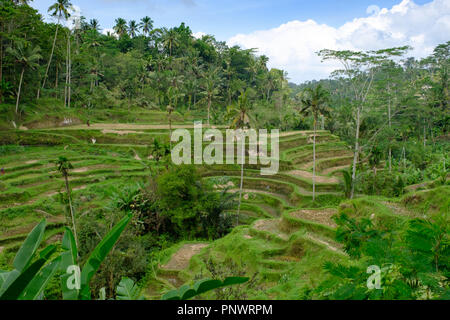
424, 137
50, 60
314, 161
241, 184
209, 108
71, 208
356, 151
390, 125
170, 132
20, 87
1, 58
404, 155
67, 78
69, 93
56, 80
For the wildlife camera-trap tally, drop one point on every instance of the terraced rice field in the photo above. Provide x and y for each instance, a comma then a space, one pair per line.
281, 227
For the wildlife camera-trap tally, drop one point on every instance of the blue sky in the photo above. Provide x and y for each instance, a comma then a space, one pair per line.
223, 18
289, 32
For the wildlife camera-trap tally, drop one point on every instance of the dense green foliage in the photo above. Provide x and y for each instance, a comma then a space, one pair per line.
142, 66
412, 255
142, 227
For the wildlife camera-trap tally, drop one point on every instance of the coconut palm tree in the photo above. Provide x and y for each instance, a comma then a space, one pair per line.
210, 88
239, 117
133, 28
170, 40
121, 27
146, 25
315, 101
59, 9
64, 165
94, 25
27, 57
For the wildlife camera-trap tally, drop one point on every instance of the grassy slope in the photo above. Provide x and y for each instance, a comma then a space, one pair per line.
284, 245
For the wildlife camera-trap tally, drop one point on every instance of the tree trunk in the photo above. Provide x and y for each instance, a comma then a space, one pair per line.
390, 126
241, 184
314, 162
71, 209
424, 137
18, 92
70, 70
50, 60
209, 107
67, 78
56, 80
1, 59
404, 157
356, 152
170, 133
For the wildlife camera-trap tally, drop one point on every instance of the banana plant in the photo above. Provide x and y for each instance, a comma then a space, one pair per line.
187, 292
75, 283
31, 271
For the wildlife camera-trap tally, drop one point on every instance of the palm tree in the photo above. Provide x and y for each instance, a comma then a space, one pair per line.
64, 165
240, 119
211, 88
59, 9
314, 101
27, 57
133, 28
170, 40
94, 25
146, 25
121, 27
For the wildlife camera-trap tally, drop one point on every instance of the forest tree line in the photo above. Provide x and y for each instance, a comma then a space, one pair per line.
392, 109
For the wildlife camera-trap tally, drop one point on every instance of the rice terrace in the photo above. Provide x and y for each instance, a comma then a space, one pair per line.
327, 184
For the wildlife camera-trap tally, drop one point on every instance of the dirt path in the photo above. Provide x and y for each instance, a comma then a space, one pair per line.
329, 245
180, 259
130, 126
119, 132
94, 167
332, 169
322, 216
398, 209
308, 175
275, 195
271, 226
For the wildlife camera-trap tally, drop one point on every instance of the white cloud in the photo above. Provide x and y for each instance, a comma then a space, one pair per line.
373, 9
292, 45
198, 35
74, 19
111, 31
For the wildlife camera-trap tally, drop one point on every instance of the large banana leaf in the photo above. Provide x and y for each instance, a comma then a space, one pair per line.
40, 281
98, 255
29, 247
3, 276
17, 287
186, 292
23, 257
68, 258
